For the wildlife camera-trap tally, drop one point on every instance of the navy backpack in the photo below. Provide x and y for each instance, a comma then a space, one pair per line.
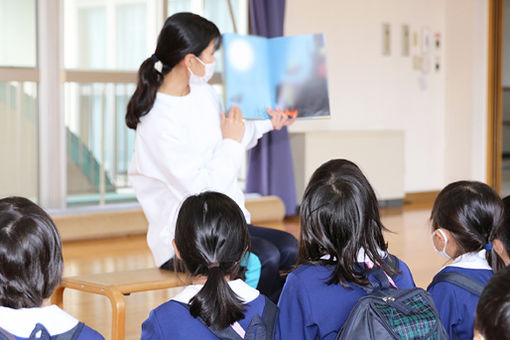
390, 313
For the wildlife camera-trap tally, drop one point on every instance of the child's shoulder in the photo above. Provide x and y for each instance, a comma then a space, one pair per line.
88, 333
443, 288
170, 310
404, 279
482, 275
310, 274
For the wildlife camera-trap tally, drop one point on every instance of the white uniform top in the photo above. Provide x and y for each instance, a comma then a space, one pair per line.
180, 151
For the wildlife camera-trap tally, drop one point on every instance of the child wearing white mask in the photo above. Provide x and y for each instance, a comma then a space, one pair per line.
464, 219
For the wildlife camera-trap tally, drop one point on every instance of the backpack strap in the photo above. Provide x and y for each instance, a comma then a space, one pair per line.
269, 317
460, 280
381, 276
45, 335
4, 335
72, 334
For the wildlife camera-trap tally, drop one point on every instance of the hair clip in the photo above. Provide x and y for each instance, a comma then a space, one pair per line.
488, 246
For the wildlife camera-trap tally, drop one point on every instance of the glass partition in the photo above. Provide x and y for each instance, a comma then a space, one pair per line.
19, 139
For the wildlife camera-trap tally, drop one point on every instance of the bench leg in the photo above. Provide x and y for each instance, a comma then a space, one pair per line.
119, 313
58, 296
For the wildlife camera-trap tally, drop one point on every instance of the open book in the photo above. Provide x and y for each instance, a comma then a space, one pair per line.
288, 73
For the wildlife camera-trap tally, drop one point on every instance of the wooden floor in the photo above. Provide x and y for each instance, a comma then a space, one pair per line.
409, 239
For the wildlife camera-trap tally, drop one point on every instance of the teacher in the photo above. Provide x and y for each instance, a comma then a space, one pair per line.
185, 145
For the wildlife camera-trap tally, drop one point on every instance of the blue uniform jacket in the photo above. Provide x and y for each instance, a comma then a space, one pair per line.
456, 306
312, 309
172, 320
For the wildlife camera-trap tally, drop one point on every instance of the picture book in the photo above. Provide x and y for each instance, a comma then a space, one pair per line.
288, 73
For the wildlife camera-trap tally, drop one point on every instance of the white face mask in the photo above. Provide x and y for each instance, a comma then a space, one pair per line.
209, 71
442, 252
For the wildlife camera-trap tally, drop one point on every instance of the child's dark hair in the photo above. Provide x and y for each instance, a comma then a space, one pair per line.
503, 232
472, 212
182, 34
30, 254
211, 236
493, 309
339, 216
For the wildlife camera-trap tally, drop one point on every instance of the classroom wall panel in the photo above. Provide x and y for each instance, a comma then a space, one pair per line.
441, 111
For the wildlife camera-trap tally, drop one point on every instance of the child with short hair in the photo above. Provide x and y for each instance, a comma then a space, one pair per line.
341, 240
211, 238
493, 311
30, 270
464, 218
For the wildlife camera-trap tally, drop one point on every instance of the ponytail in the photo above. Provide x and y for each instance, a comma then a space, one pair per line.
149, 80
216, 304
212, 236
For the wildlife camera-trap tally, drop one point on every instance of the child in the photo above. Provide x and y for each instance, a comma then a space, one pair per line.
30, 270
493, 311
501, 240
463, 217
341, 238
211, 237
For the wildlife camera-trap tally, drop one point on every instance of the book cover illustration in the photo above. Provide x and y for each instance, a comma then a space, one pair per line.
288, 73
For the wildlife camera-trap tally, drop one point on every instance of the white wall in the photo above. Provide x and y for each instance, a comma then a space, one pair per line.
466, 90
375, 92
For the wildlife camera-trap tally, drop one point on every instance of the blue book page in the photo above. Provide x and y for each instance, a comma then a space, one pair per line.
299, 75
246, 73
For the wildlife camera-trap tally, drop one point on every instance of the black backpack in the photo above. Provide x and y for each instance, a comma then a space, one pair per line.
260, 328
390, 313
72, 334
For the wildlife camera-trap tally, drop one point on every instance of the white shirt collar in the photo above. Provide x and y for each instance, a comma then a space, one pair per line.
21, 322
473, 260
240, 288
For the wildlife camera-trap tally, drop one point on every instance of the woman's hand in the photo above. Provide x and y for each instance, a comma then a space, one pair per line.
279, 119
232, 127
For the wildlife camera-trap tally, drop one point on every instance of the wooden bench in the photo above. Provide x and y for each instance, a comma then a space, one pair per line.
117, 284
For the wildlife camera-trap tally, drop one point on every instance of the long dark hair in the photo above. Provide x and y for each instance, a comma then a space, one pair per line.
182, 34
503, 232
472, 212
339, 216
493, 309
30, 254
211, 236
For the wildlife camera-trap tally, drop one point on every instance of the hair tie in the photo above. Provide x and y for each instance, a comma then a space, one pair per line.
488, 246
213, 265
158, 65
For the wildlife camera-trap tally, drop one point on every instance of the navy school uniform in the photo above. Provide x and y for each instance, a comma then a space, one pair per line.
457, 306
172, 320
312, 309
21, 322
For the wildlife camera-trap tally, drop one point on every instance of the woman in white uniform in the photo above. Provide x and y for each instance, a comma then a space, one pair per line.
185, 144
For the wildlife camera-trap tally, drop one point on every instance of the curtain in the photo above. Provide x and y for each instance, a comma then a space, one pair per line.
270, 169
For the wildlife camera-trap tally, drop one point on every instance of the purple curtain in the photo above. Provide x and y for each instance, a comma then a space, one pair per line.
270, 170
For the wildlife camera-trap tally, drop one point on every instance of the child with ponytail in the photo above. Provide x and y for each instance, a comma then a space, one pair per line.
465, 217
211, 237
